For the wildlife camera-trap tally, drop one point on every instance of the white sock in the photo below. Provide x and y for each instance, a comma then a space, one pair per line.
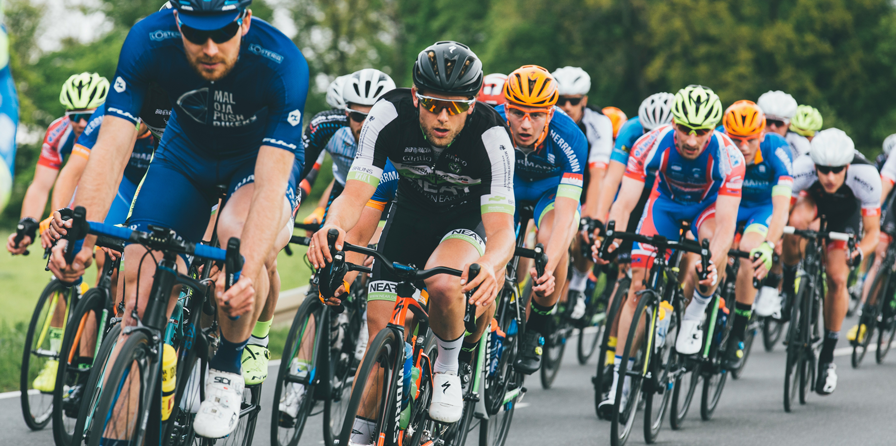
361, 431
697, 307
578, 280
446, 362
262, 342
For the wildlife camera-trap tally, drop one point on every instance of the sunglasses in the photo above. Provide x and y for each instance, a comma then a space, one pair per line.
743, 139
522, 114
775, 123
564, 99
687, 130
77, 116
828, 169
220, 35
436, 105
356, 116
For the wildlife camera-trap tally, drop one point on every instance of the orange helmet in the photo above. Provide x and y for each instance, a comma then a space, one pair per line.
617, 117
744, 119
492, 92
531, 86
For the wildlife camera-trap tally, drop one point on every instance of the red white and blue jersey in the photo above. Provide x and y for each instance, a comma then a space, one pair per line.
718, 170
58, 143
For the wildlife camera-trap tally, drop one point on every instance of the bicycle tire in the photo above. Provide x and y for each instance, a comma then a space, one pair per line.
92, 302
306, 310
771, 333
881, 283
715, 377
419, 411
554, 347
342, 374
585, 350
43, 402
603, 369
653, 419
382, 351
504, 383
687, 380
244, 432
886, 332
137, 348
618, 436
791, 379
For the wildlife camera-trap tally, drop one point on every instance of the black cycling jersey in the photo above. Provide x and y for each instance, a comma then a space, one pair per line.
476, 167
858, 196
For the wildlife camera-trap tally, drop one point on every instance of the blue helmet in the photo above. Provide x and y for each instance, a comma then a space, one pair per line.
208, 15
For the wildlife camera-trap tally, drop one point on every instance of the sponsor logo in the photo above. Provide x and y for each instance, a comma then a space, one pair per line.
257, 49
162, 34
121, 112
383, 286
567, 150
278, 142
120, 85
294, 118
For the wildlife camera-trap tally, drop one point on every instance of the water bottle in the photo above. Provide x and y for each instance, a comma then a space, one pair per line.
406, 373
662, 325
496, 338
169, 379
512, 329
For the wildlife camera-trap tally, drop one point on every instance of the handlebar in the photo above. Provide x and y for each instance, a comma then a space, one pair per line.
850, 240
662, 244
537, 254
738, 254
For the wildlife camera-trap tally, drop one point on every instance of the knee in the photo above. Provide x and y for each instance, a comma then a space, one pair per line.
800, 218
444, 291
837, 282
229, 228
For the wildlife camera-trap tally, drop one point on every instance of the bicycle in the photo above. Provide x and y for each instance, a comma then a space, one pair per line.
141, 354
319, 361
603, 377
596, 298
878, 315
657, 367
804, 335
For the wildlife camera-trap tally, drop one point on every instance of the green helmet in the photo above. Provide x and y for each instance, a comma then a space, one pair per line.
806, 121
698, 107
84, 91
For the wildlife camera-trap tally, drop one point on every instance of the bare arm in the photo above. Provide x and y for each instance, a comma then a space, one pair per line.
593, 194
871, 226
608, 188
344, 215
38, 191
628, 199
726, 222
500, 238
361, 235
780, 212
886, 187
564, 212
67, 181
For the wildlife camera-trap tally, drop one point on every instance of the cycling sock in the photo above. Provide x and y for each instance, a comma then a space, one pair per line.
466, 351
578, 280
611, 351
229, 356
827, 348
789, 277
697, 306
448, 354
55, 336
539, 318
742, 314
361, 430
260, 333
772, 280
112, 442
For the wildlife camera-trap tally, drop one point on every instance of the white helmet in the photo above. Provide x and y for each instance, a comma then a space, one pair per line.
334, 92
364, 87
832, 147
889, 143
777, 105
572, 80
656, 110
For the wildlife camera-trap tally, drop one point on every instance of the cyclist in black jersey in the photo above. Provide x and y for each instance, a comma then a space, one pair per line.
455, 202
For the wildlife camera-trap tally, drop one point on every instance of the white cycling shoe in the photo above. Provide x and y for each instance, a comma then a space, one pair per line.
579, 309
219, 413
768, 302
447, 400
690, 338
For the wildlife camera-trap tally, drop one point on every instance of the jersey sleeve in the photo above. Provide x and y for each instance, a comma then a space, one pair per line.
315, 138
87, 140
133, 75
639, 156
376, 136
286, 99
803, 174
866, 186
732, 161
385, 191
50, 155
888, 170
572, 179
498, 195
628, 134
782, 163
602, 149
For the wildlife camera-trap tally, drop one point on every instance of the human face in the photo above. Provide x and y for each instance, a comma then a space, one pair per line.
79, 119
575, 111
778, 126
355, 112
212, 61
748, 146
689, 144
830, 178
439, 126
527, 123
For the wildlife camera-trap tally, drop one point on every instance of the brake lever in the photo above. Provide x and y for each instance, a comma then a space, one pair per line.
470, 313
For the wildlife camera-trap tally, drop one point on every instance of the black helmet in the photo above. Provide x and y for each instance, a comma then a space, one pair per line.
209, 14
448, 68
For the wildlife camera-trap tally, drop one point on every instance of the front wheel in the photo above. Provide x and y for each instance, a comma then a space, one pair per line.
683, 391
884, 339
623, 417
603, 378
554, 346
658, 394
771, 332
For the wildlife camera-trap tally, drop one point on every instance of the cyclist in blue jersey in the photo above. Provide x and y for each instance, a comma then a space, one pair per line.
239, 88
550, 162
764, 207
9, 118
699, 175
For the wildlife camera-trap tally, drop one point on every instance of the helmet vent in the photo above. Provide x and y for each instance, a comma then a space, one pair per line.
449, 67
432, 60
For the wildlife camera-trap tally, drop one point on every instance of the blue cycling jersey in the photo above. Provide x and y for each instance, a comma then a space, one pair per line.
140, 156
385, 191
770, 174
260, 102
625, 140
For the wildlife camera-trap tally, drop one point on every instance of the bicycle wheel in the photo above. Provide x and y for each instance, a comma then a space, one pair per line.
554, 346
294, 385
624, 417
244, 432
886, 331
503, 385
75, 365
419, 429
128, 397
749, 336
714, 377
342, 368
41, 354
860, 346
771, 332
794, 345
603, 378
659, 392
594, 321
374, 393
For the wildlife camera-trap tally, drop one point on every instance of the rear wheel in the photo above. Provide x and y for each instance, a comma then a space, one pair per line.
554, 346
342, 367
659, 392
683, 391
91, 397
794, 347
884, 339
503, 385
715, 376
604, 376
594, 317
623, 417
749, 336
771, 332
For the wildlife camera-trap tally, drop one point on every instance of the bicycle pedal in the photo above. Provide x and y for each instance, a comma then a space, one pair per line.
473, 397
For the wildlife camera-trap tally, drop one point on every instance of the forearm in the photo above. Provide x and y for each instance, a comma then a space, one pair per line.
726, 222
871, 225
500, 239
608, 188
594, 193
326, 195
886, 187
779, 218
361, 235
261, 228
104, 169
65, 186
35, 201
558, 243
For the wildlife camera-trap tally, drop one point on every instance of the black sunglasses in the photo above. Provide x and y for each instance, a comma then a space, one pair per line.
774, 122
828, 169
562, 100
686, 129
220, 35
356, 116
78, 116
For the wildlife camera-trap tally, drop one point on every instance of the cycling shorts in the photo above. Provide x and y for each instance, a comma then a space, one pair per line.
542, 194
663, 216
121, 205
411, 236
755, 219
180, 188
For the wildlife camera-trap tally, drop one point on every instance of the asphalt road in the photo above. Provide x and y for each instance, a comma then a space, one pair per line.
751, 412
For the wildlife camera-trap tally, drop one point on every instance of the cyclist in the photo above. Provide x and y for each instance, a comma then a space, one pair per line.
550, 151
455, 202
240, 87
779, 109
845, 189
573, 84
81, 94
806, 121
617, 116
764, 206
492, 91
699, 175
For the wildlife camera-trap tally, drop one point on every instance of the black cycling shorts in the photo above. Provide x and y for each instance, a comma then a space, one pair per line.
410, 237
